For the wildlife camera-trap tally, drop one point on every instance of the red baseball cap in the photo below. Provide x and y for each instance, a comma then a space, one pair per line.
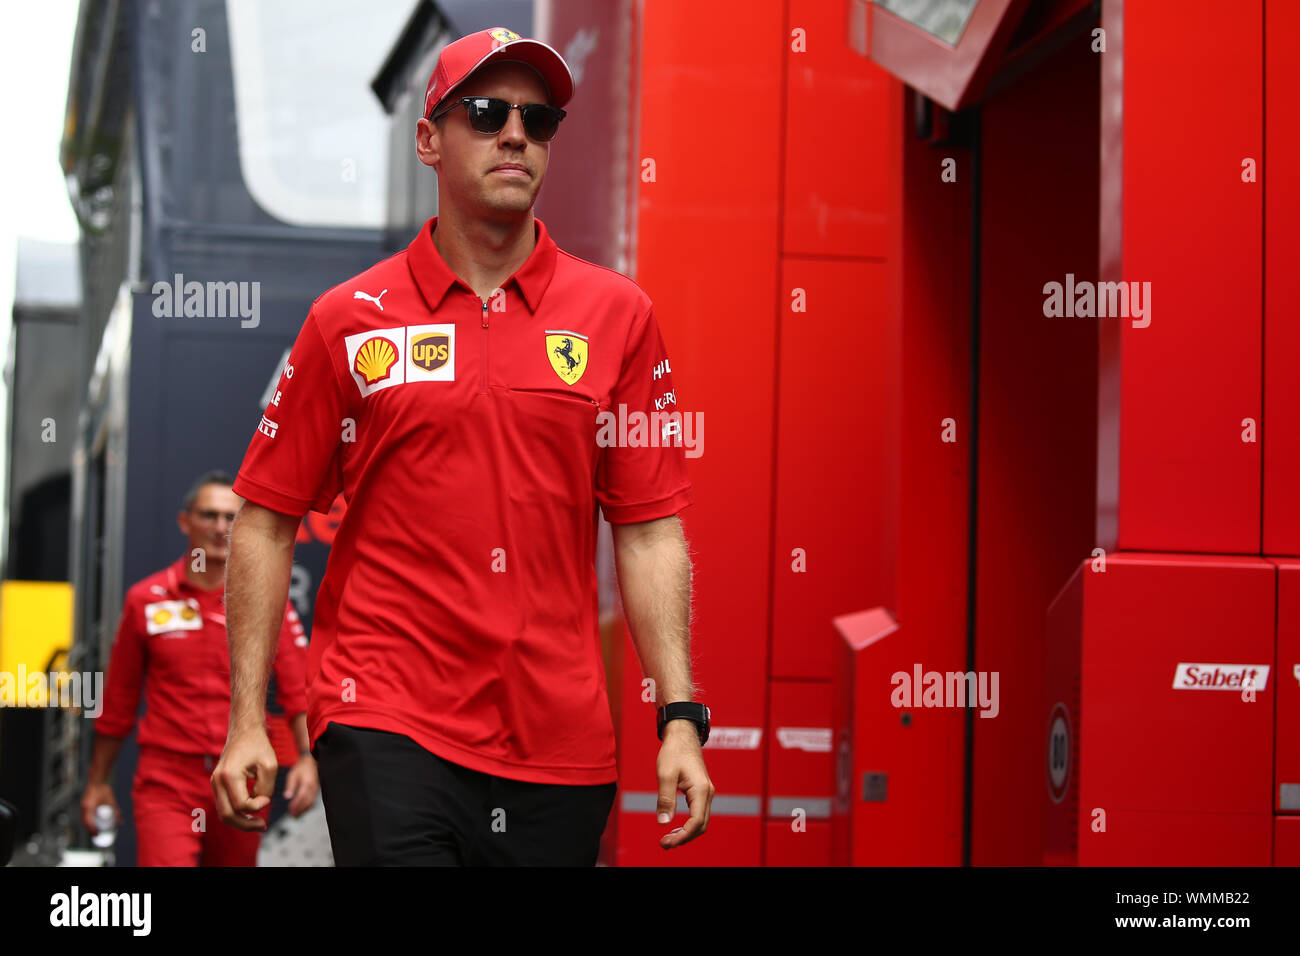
461, 58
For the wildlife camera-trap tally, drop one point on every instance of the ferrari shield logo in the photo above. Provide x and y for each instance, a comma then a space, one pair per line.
568, 354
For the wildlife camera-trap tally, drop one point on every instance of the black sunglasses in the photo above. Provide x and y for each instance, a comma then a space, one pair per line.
211, 516
487, 114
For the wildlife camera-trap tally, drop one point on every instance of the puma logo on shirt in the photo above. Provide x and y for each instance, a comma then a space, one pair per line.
372, 298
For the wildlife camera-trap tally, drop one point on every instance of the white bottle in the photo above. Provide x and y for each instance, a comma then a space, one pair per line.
106, 824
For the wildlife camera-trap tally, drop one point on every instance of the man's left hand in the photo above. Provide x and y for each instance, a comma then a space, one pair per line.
301, 785
681, 767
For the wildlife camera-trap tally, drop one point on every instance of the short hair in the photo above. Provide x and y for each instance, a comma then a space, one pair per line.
207, 478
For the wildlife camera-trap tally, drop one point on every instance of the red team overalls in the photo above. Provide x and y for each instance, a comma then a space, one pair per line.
172, 639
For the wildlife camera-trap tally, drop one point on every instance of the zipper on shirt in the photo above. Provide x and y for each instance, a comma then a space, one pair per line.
484, 373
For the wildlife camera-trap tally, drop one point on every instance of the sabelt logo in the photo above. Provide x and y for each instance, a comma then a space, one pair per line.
430, 351
1220, 676
734, 738
813, 740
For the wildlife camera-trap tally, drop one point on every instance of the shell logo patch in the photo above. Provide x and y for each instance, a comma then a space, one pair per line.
163, 616
567, 352
375, 359
502, 35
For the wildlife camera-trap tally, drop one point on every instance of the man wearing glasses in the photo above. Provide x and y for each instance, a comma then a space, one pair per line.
453, 393
171, 639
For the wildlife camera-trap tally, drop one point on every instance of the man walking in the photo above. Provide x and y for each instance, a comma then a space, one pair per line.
171, 641
454, 394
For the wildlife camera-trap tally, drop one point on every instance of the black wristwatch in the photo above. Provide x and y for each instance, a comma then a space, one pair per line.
697, 714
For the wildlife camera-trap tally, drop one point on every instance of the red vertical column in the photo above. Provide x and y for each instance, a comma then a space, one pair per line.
837, 392
1181, 384
1279, 178
706, 164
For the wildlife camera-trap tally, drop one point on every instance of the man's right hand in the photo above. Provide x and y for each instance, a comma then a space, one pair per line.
248, 754
95, 795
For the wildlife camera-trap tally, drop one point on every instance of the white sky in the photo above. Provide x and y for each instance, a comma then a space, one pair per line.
35, 55
35, 58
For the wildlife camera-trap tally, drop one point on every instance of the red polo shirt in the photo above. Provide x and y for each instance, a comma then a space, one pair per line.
171, 638
459, 605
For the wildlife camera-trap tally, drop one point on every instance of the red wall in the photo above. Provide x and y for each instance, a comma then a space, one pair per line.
823, 426
1281, 166
935, 486
1189, 104
756, 196
707, 239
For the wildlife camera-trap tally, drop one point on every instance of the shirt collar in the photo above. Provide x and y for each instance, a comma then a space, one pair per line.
179, 585
176, 580
434, 277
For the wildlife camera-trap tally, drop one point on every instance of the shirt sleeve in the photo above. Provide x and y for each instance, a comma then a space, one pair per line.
125, 674
293, 461
644, 477
291, 665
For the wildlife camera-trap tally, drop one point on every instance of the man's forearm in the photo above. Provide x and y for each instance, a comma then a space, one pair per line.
654, 577
257, 587
103, 757
300, 736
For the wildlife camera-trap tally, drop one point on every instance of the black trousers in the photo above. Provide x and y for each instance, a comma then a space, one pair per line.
390, 802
